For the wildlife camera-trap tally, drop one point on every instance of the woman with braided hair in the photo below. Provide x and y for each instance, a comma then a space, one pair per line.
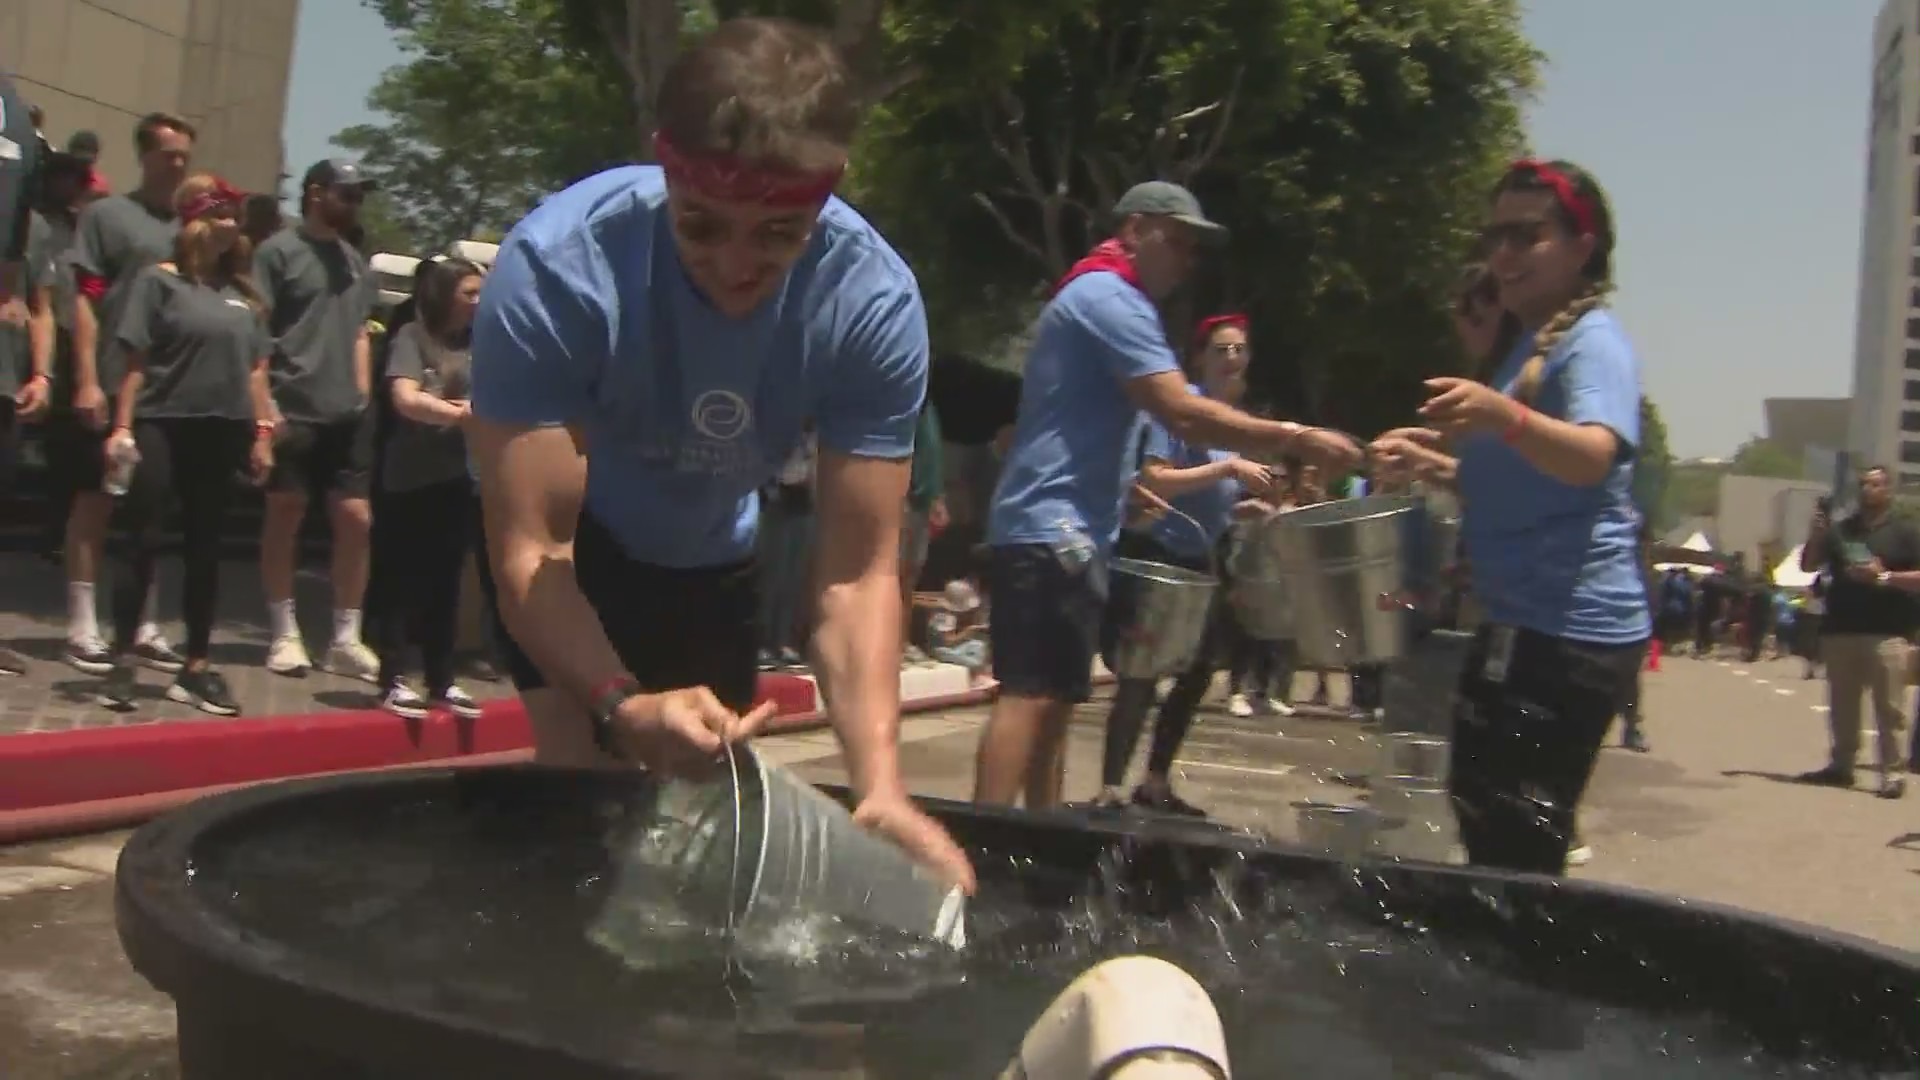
1545, 449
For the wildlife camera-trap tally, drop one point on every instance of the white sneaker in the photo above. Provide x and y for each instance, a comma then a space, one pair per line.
460, 703
288, 656
354, 660
1581, 854
1238, 705
1266, 706
402, 701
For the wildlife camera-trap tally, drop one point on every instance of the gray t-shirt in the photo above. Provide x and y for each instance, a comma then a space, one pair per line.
420, 454
36, 272
319, 296
201, 344
119, 237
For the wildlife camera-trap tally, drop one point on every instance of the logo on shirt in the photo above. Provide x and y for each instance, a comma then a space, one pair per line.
721, 415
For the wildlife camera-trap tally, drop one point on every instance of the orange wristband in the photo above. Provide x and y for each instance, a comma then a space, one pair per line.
1513, 433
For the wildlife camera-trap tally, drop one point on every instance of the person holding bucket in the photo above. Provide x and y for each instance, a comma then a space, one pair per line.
651, 345
1099, 357
1206, 488
1545, 448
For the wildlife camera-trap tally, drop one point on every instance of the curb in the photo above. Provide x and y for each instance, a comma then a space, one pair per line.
54, 770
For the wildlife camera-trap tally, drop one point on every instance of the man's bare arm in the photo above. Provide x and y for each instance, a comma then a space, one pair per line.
532, 481
857, 645
1194, 418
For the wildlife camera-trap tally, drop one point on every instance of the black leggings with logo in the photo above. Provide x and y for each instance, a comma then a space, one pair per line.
1525, 741
199, 462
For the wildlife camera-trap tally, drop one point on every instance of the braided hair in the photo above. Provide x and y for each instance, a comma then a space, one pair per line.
1581, 208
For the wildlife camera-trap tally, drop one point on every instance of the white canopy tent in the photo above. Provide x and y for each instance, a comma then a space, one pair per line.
1788, 574
1698, 542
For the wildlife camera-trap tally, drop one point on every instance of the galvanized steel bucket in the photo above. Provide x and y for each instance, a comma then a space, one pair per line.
1346, 567
1160, 615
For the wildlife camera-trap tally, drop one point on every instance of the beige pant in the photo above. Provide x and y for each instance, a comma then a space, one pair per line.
1878, 667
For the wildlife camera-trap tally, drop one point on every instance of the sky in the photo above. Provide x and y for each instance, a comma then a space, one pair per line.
1730, 135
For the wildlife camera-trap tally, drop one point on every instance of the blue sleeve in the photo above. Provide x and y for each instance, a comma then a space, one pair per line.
541, 333
880, 377
1601, 378
1132, 341
1159, 444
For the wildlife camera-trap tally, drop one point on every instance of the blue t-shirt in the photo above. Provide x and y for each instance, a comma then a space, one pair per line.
1551, 557
589, 319
1065, 469
1211, 506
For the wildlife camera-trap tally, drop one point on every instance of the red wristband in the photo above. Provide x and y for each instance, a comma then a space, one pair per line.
618, 683
1519, 427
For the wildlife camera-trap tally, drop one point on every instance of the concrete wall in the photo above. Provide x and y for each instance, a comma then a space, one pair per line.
100, 64
1759, 511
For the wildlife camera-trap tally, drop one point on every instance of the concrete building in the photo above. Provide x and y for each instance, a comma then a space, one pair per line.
1763, 517
98, 65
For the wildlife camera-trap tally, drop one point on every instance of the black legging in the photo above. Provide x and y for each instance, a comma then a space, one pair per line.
1133, 697
1526, 734
194, 461
420, 542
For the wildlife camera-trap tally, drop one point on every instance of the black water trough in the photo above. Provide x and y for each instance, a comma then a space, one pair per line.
432, 924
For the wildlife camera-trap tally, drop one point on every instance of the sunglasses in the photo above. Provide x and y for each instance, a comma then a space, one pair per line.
1514, 234
350, 193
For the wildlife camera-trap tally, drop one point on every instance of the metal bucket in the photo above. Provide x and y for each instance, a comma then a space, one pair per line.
1345, 566
1261, 605
796, 853
1158, 618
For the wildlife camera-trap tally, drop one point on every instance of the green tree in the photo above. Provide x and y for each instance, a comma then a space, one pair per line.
1653, 469
493, 108
1763, 457
1350, 146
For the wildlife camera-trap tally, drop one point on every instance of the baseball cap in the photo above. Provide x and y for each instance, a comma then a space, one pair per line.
337, 172
84, 144
1164, 198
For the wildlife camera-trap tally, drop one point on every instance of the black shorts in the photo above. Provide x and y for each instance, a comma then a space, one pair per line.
1047, 615
672, 628
330, 458
76, 453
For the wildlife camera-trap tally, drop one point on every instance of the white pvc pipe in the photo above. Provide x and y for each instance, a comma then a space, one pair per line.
1130, 1018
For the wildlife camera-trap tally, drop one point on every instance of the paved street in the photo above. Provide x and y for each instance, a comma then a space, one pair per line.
1710, 813
54, 697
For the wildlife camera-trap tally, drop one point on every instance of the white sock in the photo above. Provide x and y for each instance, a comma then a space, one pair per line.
346, 626
149, 627
83, 622
280, 615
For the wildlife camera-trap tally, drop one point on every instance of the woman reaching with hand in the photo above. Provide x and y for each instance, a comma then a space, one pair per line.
1206, 488
1545, 466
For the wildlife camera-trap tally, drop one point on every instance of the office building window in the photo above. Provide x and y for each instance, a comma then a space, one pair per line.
1910, 453
1913, 329
1910, 422
1913, 390
1913, 299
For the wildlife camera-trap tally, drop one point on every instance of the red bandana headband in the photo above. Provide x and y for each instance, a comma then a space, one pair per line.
219, 195
731, 179
1214, 322
1568, 196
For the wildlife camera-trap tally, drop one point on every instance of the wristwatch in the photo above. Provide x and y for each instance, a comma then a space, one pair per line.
606, 702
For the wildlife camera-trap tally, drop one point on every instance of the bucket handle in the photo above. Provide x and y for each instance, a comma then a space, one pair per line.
1206, 541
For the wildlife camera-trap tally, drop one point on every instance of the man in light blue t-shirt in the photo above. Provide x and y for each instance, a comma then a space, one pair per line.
1100, 356
648, 350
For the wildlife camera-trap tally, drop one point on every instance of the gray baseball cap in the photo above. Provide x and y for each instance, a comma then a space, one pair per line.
1167, 199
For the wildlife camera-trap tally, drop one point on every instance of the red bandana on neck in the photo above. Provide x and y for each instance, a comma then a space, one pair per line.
1108, 256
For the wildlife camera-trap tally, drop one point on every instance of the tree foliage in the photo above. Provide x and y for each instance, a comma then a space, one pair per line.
1764, 457
1653, 468
1350, 144
493, 108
